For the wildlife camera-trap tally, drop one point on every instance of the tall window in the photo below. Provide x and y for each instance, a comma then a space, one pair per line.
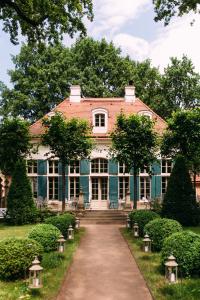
53, 166
53, 188
75, 167
123, 169
99, 165
166, 166
34, 186
99, 188
145, 191
165, 181
123, 187
100, 120
32, 166
74, 187
145, 169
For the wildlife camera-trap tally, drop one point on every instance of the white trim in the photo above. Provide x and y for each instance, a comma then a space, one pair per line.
145, 113
100, 129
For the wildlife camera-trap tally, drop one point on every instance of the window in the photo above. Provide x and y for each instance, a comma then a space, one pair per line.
32, 166
123, 187
74, 187
165, 181
100, 120
166, 166
123, 169
144, 170
74, 167
53, 166
99, 188
145, 188
99, 165
145, 113
53, 188
34, 186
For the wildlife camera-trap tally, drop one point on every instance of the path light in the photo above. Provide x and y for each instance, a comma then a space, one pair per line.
61, 244
171, 269
35, 278
135, 230
128, 222
77, 224
147, 243
70, 233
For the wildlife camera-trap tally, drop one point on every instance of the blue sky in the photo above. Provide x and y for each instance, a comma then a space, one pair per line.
129, 24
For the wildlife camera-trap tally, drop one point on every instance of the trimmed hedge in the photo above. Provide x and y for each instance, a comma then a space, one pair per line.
142, 217
185, 246
47, 235
159, 229
16, 256
62, 222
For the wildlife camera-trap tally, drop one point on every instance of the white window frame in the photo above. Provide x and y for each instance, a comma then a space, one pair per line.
100, 129
166, 166
123, 166
166, 184
146, 113
54, 167
73, 164
75, 180
145, 189
99, 167
33, 188
53, 178
124, 178
33, 164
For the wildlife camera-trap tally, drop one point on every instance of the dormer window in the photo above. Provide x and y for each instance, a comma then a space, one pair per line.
146, 113
100, 120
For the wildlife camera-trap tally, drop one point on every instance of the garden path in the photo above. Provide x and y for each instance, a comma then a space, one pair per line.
103, 269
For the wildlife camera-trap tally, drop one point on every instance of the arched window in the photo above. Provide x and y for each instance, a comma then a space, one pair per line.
99, 165
100, 120
145, 113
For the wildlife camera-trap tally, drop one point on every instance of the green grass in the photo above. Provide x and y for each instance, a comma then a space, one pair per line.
53, 273
149, 265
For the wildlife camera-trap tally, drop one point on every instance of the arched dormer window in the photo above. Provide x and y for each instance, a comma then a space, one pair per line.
100, 120
145, 113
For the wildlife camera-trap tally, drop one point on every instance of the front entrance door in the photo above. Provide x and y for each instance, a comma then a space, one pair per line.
99, 192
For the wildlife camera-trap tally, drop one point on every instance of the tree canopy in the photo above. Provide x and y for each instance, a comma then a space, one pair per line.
167, 9
134, 143
68, 140
44, 20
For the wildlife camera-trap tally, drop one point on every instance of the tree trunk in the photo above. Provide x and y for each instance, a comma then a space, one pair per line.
135, 189
63, 186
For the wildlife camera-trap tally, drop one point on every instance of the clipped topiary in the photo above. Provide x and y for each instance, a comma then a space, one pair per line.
47, 235
20, 205
179, 202
159, 229
185, 246
62, 222
142, 217
16, 256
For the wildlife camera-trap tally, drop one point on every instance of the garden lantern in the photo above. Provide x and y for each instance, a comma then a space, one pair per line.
128, 222
70, 233
61, 244
35, 274
135, 230
77, 225
147, 243
171, 269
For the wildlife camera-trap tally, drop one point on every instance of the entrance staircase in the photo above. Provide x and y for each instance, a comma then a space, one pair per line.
103, 217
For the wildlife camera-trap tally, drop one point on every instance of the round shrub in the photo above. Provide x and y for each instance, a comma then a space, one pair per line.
47, 235
185, 246
142, 217
62, 222
16, 256
159, 229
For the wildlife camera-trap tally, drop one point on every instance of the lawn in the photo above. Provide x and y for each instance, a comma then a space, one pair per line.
149, 265
54, 269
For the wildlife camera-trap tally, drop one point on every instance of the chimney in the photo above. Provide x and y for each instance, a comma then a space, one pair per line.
75, 93
129, 93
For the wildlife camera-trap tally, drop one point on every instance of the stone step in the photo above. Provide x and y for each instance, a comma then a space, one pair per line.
102, 221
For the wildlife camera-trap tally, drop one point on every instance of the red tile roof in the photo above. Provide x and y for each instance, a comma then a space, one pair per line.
84, 109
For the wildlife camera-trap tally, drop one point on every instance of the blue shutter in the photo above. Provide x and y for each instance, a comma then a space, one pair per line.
113, 167
84, 167
156, 167
84, 184
42, 167
158, 186
60, 187
113, 188
42, 186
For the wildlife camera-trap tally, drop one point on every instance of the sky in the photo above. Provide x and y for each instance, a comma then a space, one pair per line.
130, 25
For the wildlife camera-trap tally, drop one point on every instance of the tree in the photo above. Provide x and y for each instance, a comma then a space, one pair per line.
42, 79
134, 143
68, 140
182, 137
44, 20
166, 9
179, 87
179, 201
20, 205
